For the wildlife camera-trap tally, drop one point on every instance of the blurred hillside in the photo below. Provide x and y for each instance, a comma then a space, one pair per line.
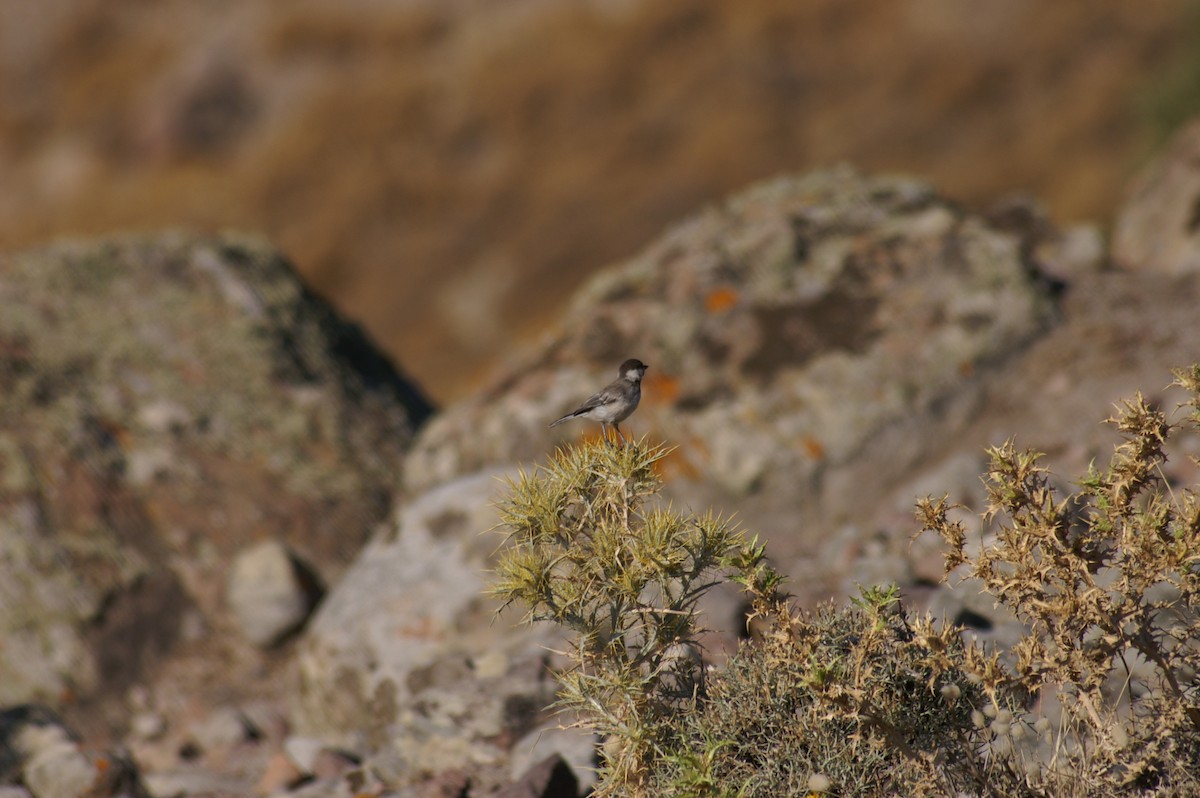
448, 172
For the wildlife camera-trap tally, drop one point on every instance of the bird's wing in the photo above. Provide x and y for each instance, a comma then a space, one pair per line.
604, 397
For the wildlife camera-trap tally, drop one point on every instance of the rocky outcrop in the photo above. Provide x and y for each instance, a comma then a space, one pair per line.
168, 400
407, 659
795, 335
823, 350
785, 329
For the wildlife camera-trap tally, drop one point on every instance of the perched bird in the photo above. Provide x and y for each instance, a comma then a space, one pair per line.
615, 402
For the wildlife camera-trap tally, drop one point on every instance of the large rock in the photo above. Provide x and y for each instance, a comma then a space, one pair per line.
795, 334
406, 661
824, 350
167, 400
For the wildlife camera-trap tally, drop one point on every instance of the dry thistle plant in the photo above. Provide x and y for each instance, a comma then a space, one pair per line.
854, 702
587, 552
1098, 698
1107, 582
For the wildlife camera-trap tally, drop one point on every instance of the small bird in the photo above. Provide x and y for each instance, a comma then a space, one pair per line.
615, 402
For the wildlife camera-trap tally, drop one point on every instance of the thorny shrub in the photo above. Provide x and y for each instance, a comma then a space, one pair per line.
587, 553
1107, 582
1097, 698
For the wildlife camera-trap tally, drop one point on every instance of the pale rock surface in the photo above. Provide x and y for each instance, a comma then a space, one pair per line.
279, 773
195, 782
268, 592
406, 656
224, 727
303, 751
40, 752
786, 329
809, 339
60, 770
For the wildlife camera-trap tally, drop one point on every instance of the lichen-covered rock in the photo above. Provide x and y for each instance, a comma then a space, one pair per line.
405, 656
165, 401
788, 330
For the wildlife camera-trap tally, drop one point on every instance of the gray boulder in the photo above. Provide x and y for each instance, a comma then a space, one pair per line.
807, 338
406, 659
166, 401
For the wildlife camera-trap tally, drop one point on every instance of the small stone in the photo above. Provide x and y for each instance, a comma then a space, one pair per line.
224, 728
303, 751
268, 593
144, 465
1073, 254
330, 764
819, 782
35, 729
148, 725
387, 766
163, 415
327, 788
279, 774
60, 771
268, 720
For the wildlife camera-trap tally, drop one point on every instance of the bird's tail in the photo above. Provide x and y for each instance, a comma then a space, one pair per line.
568, 417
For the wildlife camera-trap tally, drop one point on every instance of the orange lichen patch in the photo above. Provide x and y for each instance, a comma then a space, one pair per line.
720, 299
675, 465
660, 389
814, 448
102, 764
683, 461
